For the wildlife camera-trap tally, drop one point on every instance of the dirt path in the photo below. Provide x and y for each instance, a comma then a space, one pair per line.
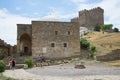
66, 72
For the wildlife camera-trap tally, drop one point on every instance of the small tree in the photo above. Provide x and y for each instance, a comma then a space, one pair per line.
106, 27
116, 30
97, 28
2, 66
84, 43
93, 50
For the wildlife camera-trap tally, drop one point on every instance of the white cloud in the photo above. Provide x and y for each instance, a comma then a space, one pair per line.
8, 28
111, 10
78, 1
18, 8
8, 21
32, 3
35, 13
56, 15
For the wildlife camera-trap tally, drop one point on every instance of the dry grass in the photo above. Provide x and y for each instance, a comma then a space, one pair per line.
104, 42
113, 63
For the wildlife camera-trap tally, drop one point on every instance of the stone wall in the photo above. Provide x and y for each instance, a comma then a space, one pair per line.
114, 55
76, 19
47, 34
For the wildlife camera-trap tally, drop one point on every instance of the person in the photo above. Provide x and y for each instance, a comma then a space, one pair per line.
13, 64
41, 58
10, 63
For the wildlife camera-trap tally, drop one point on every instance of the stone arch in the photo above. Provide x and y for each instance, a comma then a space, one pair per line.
25, 44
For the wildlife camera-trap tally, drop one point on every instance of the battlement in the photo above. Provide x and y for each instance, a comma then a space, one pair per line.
91, 18
91, 11
75, 19
97, 8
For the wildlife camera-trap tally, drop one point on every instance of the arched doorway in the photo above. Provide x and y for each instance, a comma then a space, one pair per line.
25, 45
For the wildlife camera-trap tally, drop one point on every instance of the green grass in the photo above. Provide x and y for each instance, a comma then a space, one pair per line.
5, 78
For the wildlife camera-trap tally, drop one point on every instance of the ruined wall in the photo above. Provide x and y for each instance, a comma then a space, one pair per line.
24, 33
44, 34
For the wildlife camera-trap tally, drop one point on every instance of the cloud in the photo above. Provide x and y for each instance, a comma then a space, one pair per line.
8, 21
111, 9
32, 2
18, 8
57, 15
8, 28
77, 1
35, 13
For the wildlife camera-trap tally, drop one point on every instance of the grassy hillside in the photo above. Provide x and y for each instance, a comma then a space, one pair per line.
104, 42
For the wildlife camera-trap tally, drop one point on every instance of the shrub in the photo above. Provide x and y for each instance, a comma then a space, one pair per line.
2, 66
116, 30
106, 27
86, 33
97, 28
29, 62
93, 50
84, 43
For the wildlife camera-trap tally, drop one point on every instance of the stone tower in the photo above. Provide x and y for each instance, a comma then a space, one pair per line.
90, 18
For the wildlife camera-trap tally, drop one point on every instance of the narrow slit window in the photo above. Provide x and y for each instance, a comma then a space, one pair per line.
56, 32
65, 44
52, 44
68, 32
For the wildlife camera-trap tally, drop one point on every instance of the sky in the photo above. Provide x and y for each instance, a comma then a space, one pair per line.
14, 12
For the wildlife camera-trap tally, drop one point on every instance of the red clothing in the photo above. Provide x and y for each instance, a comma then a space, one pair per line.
10, 62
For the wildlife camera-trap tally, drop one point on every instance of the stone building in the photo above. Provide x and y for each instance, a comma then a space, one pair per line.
90, 18
52, 39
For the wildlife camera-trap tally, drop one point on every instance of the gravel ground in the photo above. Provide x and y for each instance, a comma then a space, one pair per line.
66, 72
